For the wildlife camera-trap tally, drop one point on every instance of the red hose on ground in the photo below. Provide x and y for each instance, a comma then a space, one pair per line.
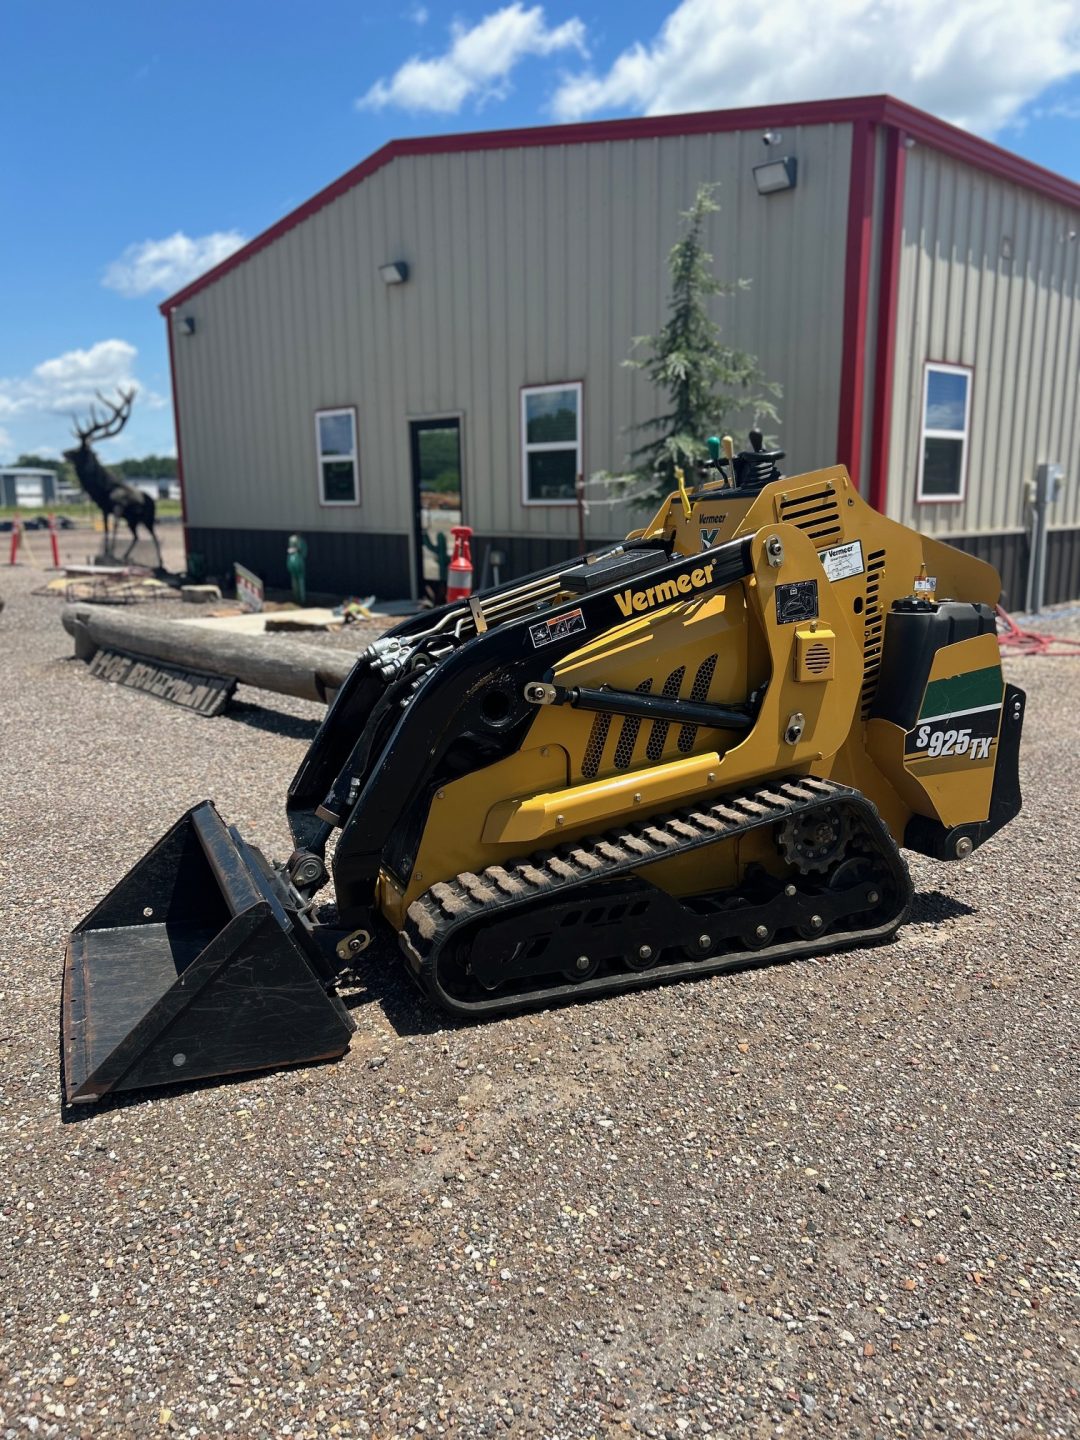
1031, 642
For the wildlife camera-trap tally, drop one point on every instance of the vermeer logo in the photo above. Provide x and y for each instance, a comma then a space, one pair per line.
710, 529
666, 592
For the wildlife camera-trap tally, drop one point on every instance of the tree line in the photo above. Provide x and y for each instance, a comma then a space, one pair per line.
146, 467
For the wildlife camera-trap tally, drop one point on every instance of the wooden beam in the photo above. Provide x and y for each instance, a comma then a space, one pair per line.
286, 667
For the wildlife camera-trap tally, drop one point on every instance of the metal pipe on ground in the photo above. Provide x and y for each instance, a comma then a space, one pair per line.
287, 667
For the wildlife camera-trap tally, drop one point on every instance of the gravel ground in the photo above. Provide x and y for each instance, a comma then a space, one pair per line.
826, 1198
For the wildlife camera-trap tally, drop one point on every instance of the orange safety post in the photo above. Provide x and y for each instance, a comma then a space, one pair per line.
16, 537
459, 577
54, 542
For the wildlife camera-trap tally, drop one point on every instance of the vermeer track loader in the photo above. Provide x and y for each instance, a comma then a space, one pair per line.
702, 747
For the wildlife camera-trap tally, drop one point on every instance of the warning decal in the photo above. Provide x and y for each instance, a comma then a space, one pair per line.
557, 628
796, 602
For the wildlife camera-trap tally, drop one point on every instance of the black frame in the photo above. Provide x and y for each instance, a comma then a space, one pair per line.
416, 429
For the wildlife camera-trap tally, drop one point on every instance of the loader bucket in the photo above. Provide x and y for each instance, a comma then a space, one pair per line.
194, 965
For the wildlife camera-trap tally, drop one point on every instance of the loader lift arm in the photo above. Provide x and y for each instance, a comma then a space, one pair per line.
477, 702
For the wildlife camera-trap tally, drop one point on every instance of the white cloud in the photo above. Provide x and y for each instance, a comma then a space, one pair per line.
70, 381
419, 15
478, 62
7, 445
167, 265
974, 62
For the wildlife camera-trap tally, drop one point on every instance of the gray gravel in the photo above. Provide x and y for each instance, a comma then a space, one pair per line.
834, 1197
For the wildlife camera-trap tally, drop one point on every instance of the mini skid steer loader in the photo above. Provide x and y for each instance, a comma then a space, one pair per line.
702, 747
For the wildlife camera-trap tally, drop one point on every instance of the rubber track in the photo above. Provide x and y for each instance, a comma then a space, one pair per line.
447, 907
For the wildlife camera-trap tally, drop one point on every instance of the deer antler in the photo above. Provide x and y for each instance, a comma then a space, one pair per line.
120, 413
105, 429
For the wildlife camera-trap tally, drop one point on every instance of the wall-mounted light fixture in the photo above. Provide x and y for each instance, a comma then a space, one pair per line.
187, 324
395, 273
775, 175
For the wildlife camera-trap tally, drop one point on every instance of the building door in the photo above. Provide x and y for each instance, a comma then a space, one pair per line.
435, 448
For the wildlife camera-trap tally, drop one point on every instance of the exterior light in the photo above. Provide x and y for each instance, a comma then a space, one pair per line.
395, 273
187, 325
775, 175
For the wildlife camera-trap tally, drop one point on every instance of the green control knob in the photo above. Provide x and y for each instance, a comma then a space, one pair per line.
713, 443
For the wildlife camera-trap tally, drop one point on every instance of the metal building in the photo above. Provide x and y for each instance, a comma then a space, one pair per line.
27, 486
442, 330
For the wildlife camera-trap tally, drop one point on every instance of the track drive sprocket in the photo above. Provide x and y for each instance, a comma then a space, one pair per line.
814, 840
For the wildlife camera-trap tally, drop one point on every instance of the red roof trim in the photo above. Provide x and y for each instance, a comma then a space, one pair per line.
888, 291
982, 154
169, 328
874, 109
860, 226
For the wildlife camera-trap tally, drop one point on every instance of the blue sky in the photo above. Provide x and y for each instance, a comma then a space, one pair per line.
143, 141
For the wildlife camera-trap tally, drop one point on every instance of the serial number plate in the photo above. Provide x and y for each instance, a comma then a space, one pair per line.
840, 562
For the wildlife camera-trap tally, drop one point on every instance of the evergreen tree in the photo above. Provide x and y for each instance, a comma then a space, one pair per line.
705, 381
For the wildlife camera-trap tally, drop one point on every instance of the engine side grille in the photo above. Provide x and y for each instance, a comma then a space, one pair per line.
624, 750
658, 738
817, 513
699, 691
874, 628
594, 750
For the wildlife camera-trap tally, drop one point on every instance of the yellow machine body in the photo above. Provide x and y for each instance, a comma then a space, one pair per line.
704, 746
579, 772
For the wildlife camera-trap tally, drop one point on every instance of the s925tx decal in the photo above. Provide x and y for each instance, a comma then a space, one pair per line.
965, 712
962, 736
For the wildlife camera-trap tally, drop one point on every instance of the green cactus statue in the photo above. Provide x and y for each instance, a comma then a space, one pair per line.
296, 564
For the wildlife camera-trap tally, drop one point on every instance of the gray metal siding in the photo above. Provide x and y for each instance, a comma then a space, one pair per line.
527, 266
1015, 322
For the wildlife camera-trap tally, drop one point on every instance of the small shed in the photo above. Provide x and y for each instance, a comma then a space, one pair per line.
27, 487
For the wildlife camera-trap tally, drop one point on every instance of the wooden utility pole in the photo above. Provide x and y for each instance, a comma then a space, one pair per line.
287, 667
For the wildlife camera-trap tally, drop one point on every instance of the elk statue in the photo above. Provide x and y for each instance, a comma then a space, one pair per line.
114, 497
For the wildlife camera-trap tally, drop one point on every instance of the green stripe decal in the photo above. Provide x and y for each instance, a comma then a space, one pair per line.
963, 692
